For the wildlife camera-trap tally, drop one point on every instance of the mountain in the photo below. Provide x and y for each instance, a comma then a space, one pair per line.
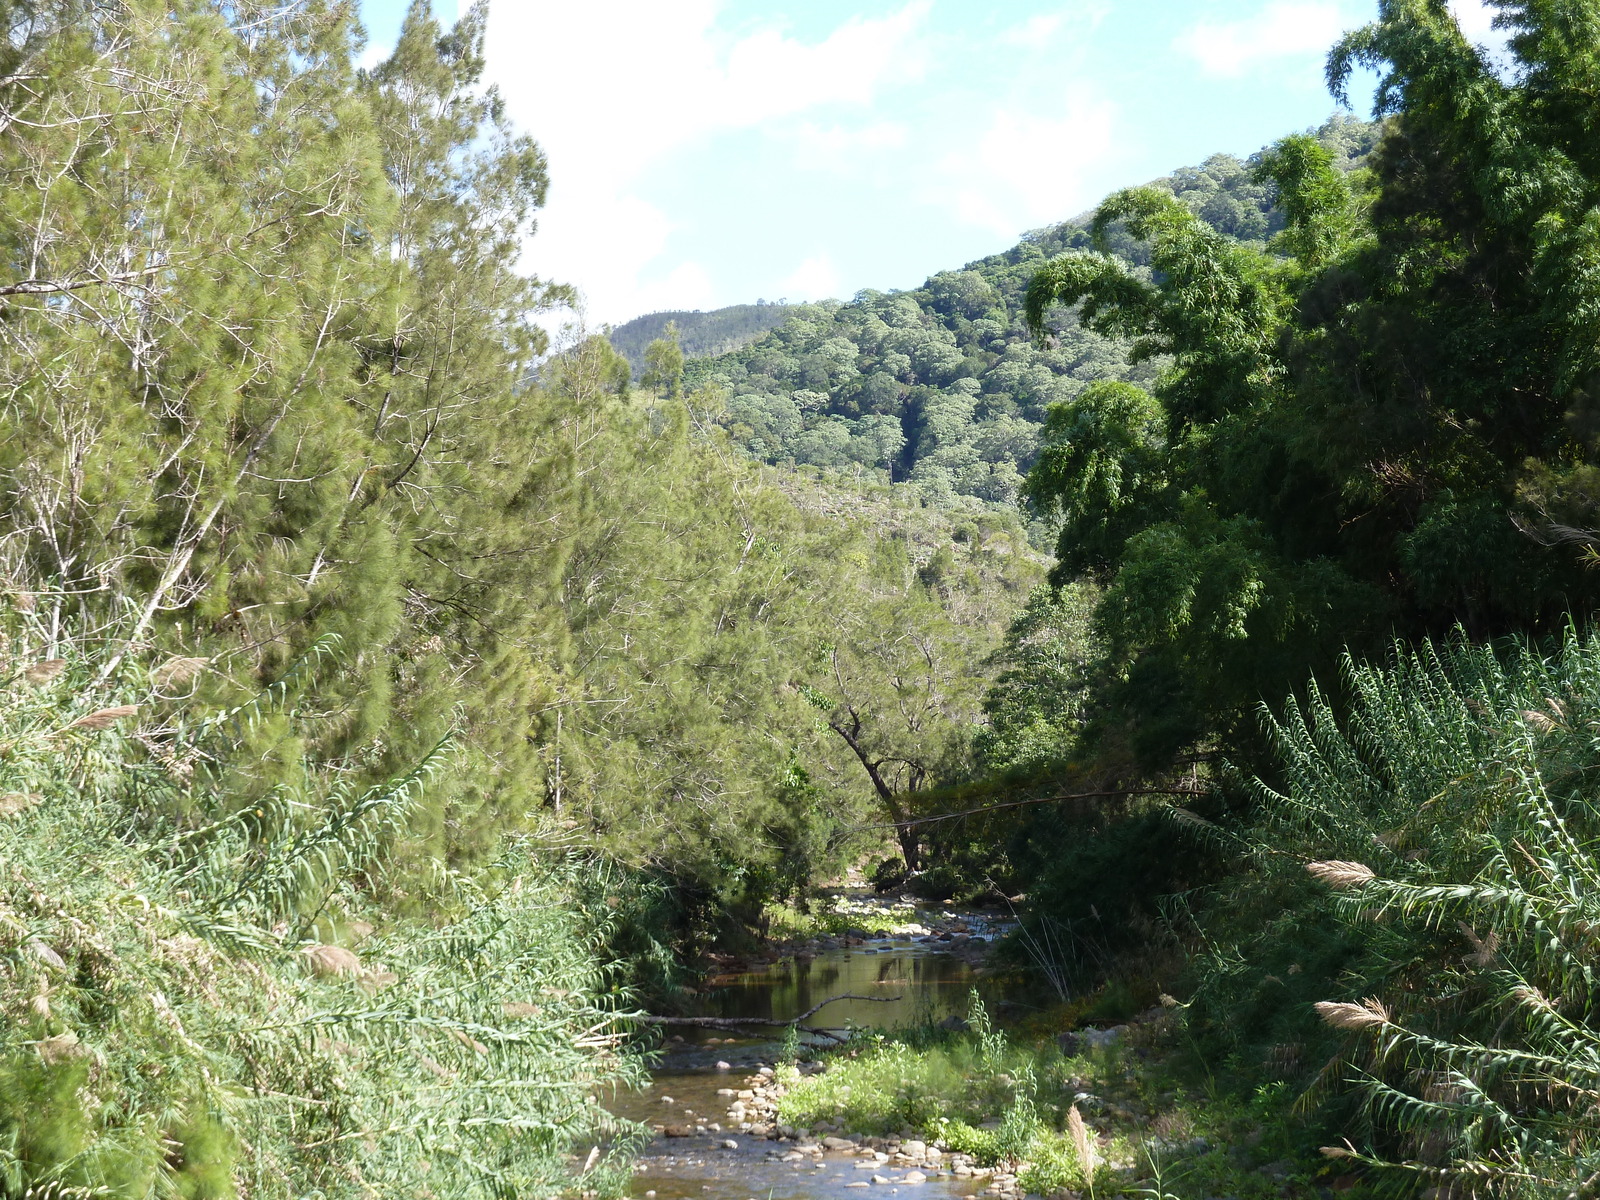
702, 334
942, 387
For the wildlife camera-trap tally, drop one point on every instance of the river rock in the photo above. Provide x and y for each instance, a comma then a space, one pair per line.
677, 1131
913, 1149
880, 1179
726, 1092
723, 1066
728, 1144
915, 1177
837, 1143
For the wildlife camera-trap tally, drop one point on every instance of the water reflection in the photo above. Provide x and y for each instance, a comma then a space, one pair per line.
905, 983
909, 981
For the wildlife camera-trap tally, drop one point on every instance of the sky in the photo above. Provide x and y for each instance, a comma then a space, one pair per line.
713, 152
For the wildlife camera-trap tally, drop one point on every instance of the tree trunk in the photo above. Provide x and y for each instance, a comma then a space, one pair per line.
906, 834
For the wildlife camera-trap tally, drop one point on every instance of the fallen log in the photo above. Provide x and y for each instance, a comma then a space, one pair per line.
769, 1022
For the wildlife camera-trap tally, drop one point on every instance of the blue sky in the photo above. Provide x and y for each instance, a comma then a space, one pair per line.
709, 152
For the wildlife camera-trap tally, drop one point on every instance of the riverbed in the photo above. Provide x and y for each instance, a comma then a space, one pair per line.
926, 974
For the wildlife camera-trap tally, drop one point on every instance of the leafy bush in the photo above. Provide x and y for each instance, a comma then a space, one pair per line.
1425, 871
215, 1008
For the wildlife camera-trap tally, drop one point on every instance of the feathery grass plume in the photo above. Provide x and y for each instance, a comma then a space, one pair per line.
1339, 874
1485, 950
1082, 1142
329, 961
11, 803
1370, 1014
43, 671
177, 671
105, 718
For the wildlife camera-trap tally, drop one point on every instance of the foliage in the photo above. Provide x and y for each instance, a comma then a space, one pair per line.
938, 1084
702, 334
1425, 871
664, 364
215, 1008
1034, 707
1333, 453
292, 403
939, 387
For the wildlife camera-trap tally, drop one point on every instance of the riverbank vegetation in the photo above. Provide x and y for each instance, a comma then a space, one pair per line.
394, 700
1354, 495
1116, 1113
451, 686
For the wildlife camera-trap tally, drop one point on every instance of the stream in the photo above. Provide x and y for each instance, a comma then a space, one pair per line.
920, 976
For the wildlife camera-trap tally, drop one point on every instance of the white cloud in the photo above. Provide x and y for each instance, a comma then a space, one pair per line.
610, 90
842, 148
1034, 31
1284, 29
1027, 170
815, 279
1476, 20
687, 286
374, 54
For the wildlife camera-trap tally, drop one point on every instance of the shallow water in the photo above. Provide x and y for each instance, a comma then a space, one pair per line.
909, 980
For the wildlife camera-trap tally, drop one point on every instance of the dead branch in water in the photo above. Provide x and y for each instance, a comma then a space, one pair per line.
771, 1022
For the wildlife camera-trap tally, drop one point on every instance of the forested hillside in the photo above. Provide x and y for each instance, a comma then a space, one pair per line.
944, 387
701, 334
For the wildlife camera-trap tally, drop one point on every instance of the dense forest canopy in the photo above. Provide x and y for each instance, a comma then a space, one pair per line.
944, 387
701, 334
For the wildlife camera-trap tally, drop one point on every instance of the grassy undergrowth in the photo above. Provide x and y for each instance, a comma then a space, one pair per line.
832, 918
213, 1007
1149, 1126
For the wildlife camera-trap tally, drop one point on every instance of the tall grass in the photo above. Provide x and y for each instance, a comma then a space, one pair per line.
1426, 871
206, 1011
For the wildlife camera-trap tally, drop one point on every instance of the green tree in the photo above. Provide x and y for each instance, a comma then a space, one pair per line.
664, 364
1335, 452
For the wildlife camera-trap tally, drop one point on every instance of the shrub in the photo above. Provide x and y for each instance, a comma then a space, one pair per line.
215, 1008
1425, 871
